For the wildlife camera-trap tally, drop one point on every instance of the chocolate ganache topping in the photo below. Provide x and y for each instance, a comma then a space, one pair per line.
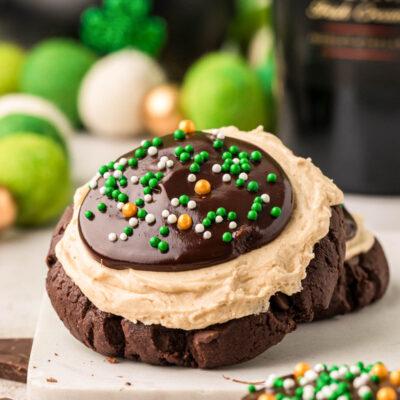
184, 202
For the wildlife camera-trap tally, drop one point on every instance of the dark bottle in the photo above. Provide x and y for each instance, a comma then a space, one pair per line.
340, 101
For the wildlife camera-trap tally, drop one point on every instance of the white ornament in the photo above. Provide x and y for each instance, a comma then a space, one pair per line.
152, 151
236, 160
123, 161
318, 367
170, 163
172, 219
117, 173
311, 375
148, 198
266, 199
207, 235
165, 213
226, 178
288, 383
133, 221
199, 228
164, 159
93, 184
106, 175
150, 218
102, 189
363, 390
192, 205
123, 236
232, 225
112, 237
219, 219
175, 202
191, 178
243, 176
216, 168
120, 205
161, 165
134, 179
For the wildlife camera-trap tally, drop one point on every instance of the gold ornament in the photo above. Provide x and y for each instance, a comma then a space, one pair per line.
161, 113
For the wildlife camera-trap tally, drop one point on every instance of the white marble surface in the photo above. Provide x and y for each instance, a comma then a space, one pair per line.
22, 251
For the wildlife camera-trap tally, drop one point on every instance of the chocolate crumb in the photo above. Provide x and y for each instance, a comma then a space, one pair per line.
111, 360
52, 380
128, 384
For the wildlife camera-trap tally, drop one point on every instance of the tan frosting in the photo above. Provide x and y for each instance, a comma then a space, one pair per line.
243, 286
362, 241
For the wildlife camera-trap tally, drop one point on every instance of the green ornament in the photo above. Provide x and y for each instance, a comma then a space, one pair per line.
159, 175
139, 202
184, 157
232, 216
226, 155
183, 199
146, 144
205, 155
252, 215
123, 182
211, 215
199, 158
252, 186
240, 182
221, 211
121, 168
206, 222
110, 165
154, 241
375, 378
234, 150
109, 191
189, 148
278, 383
218, 144
251, 388
299, 392
103, 169
271, 177
243, 155
246, 167
123, 197
128, 231
164, 231
102, 207
255, 156
195, 168
140, 153
178, 150
227, 237
276, 212
153, 182
115, 193
258, 199
142, 213
150, 175
163, 246
225, 167
256, 207
235, 169
110, 182
147, 190
144, 180
179, 134
89, 214
157, 141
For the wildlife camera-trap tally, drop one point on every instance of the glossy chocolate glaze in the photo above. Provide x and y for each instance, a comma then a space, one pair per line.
187, 249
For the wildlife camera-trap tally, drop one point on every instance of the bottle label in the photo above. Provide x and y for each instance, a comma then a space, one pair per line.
355, 29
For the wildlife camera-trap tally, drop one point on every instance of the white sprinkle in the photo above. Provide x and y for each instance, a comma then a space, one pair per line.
123, 236
170, 163
150, 218
269, 382
226, 178
134, 179
148, 198
333, 386
311, 375
120, 205
357, 382
152, 150
123, 161
133, 221
192, 205
334, 375
172, 219
219, 219
317, 367
102, 189
303, 381
112, 237
309, 389
199, 228
236, 160
342, 398
342, 371
220, 136
363, 391
93, 184
216, 168
355, 369
116, 165
106, 175
164, 159
214, 131
288, 383
165, 213
320, 396
97, 176
191, 178
117, 173
244, 176
232, 225
161, 165
207, 235
266, 199
175, 202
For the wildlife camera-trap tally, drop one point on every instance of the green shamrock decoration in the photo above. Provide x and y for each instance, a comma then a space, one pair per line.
123, 23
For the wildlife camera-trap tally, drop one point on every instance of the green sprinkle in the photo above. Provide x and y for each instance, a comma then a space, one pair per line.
121, 168
89, 214
153, 182
140, 153
184, 199
240, 182
227, 237
139, 202
147, 190
178, 150
258, 199
108, 191
252, 215
123, 182
159, 175
157, 141
144, 180
101, 207
375, 378
164, 231
368, 367
279, 396
276, 212
243, 154
360, 365
103, 169
189, 148
235, 169
163, 246
211, 215
299, 391
367, 396
226, 155
256, 207
150, 175
234, 150
324, 377
199, 158
154, 241
278, 383
228, 161
221, 211
179, 134
225, 167
218, 144
343, 387
123, 197
195, 168
206, 222
251, 388
110, 182
128, 231
115, 194
252, 186
232, 215
110, 165
205, 155
133, 162
142, 213
255, 156
146, 144
184, 156
271, 177
246, 167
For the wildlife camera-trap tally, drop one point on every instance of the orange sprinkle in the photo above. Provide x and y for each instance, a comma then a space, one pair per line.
386, 393
300, 369
202, 187
184, 222
187, 126
380, 370
129, 210
395, 377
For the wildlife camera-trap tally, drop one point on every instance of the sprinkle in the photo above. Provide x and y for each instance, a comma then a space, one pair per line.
152, 151
191, 178
163, 246
164, 159
178, 150
153, 182
128, 231
112, 237
164, 230
184, 157
195, 167
236, 161
232, 225
123, 161
205, 155
172, 219
123, 197
265, 198
165, 213
192, 205
157, 141
187, 126
101, 207
184, 199
252, 186
255, 156
175, 202
140, 153
179, 134
232, 216
226, 178
154, 241
363, 391
106, 175
216, 168
199, 158
184, 222
170, 164
218, 144
123, 236
226, 155
103, 169
150, 218
133, 222
161, 165
133, 162
355, 370
311, 375
288, 383
221, 211
240, 182
227, 237
139, 202
252, 215
148, 198
334, 374
235, 169
256, 207
218, 219
89, 214
134, 179
243, 176
102, 189
93, 184
116, 165
207, 235
276, 212
199, 228
189, 148
145, 143
202, 187
271, 177
220, 136
207, 222
142, 213
120, 205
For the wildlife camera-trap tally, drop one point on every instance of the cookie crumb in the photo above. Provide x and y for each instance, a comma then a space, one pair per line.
56, 354
111, 360
128, 384
52, 380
